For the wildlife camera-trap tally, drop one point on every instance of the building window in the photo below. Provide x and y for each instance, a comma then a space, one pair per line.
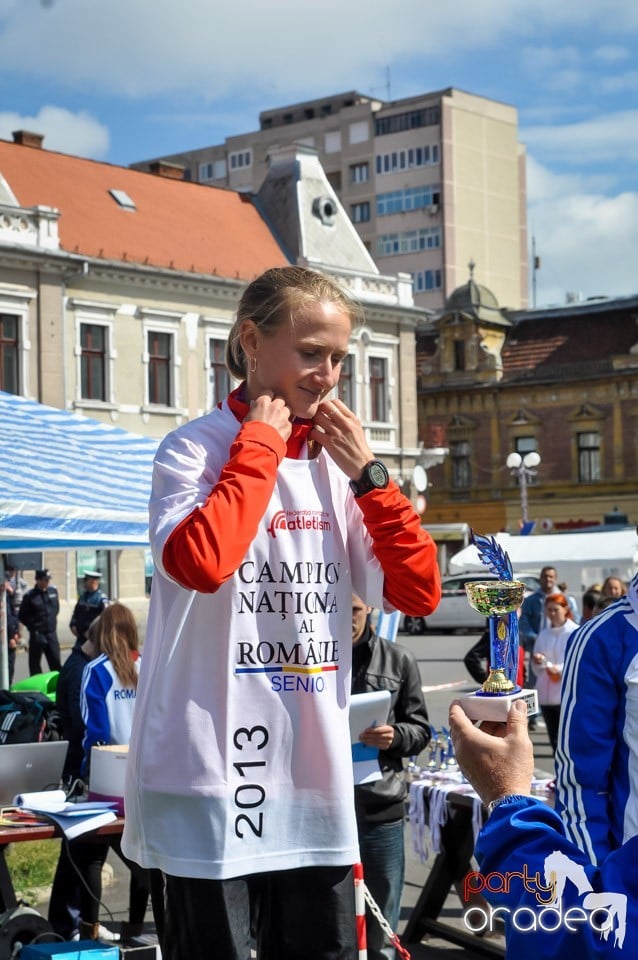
588, 457
377, 380
407, 159
359, 173
345, 389
332, 142
219, 377
414, 198
360, 212
459, 354
240, 159
409, 241
426, 117
9, 354
461, 471
92, 361
359, 132
159, 367
205, 171
425, 280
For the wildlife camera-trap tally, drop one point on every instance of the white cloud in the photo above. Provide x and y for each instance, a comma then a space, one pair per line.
150, 47
64, 131
612, 53
587, 241
609, 138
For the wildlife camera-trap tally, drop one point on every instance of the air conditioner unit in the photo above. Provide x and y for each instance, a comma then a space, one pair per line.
433, 208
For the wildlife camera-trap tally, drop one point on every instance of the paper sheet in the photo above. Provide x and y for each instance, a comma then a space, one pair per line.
366, 710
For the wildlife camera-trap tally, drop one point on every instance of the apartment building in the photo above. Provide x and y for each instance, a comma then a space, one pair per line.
430, 182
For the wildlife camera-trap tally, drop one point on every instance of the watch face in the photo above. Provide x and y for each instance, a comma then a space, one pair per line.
378, 474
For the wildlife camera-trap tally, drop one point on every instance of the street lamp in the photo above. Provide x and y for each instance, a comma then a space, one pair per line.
524, 469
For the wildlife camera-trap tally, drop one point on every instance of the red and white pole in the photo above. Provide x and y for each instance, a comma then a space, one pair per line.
360, 911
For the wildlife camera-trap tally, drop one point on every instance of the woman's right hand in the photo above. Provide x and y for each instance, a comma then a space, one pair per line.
270, 409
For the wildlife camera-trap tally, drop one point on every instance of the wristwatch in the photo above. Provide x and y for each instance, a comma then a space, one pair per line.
374, 477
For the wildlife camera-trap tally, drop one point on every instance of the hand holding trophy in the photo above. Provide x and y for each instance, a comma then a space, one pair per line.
498, 600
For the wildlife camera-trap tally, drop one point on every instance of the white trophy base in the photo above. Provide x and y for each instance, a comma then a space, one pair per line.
496, 707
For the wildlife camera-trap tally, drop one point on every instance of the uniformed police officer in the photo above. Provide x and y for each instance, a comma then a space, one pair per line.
39, 613
90, 605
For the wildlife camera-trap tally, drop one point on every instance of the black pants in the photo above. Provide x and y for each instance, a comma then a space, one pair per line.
307, 913
76, 893
551, 716
47, 644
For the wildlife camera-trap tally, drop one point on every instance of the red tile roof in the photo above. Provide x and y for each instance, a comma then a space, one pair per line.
176, 224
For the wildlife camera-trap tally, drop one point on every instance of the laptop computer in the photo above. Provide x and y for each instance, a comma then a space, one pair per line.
30, 767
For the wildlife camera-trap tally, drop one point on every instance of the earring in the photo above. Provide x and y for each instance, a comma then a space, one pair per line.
252, 364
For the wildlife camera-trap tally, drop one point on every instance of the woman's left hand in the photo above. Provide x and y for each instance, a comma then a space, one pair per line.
338, 430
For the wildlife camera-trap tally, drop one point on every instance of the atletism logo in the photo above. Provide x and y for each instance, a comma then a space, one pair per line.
293, 520
603, 912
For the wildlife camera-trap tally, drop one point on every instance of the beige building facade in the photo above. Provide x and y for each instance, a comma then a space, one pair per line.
429, 182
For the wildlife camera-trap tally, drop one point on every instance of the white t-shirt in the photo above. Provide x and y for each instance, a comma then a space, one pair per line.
240, 758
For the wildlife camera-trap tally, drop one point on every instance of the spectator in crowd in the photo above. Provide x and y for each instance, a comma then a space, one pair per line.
265, 516
614, 588
16, 585
68, 892
39, 613
533, 619
13, 628
547, 660
378, 664
523, 842
597, 752
90, 605
590, 604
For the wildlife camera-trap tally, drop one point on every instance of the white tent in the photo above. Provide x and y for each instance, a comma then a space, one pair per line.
580, 558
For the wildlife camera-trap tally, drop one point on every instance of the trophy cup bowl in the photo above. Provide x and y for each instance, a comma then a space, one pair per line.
495, 597
496, 600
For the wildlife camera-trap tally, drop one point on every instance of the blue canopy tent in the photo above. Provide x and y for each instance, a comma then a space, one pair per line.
67, 482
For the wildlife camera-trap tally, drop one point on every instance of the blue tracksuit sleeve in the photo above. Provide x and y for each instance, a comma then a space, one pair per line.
590, 739
553, 899
96, 683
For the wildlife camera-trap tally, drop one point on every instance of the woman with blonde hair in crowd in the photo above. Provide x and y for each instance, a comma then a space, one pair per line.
547, 660
614, 588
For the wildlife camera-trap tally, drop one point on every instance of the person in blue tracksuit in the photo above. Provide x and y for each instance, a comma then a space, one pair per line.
597, 756
555, 902
109, 682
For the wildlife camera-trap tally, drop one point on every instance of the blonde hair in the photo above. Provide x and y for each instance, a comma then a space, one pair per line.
276, 297
117, 637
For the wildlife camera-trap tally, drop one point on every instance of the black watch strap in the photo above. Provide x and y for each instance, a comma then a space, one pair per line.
373, 477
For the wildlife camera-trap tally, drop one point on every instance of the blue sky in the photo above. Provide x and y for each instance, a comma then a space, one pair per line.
126, 80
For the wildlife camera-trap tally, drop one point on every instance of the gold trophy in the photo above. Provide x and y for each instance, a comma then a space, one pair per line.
498, 600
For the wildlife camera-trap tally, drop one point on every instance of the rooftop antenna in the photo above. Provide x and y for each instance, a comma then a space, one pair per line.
386, 86
536, 264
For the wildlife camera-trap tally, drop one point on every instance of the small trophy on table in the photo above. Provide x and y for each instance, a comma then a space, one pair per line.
498, 600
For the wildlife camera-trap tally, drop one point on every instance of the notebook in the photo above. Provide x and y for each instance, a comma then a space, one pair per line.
29, 767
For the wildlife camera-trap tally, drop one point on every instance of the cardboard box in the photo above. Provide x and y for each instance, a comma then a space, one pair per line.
108, 772
74, 950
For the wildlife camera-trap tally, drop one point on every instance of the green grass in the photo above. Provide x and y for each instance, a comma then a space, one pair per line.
32, 865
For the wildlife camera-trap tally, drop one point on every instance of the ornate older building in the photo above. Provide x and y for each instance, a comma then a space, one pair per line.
559, 381
118, 289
